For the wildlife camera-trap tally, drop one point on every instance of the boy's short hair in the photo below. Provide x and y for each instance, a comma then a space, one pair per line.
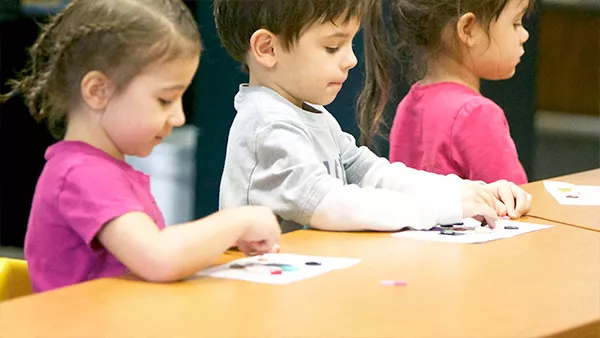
237, 20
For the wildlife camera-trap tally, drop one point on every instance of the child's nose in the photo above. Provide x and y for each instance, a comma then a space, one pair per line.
350, 60
524, 36
177, 118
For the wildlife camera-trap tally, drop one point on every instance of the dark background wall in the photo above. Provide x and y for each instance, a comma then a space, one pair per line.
22, 140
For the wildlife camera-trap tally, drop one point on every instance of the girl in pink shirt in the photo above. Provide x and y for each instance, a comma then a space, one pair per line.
444, 125
108, 77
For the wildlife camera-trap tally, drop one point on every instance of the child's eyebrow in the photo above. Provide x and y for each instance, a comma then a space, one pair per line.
174, 87
338, 35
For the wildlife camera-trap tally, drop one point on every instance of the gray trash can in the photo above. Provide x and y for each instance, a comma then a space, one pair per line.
172, 171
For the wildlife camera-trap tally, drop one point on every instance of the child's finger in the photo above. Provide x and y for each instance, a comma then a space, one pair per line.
505, 194
261, 247
500, 208
245, 248
523, 201
489, 215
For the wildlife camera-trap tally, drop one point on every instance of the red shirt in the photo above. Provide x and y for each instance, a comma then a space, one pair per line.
79, 191
448, 128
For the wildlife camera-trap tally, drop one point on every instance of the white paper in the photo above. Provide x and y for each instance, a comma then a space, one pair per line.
470, 236
298, 261
571, 194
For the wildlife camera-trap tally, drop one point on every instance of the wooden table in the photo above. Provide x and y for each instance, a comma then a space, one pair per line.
540, 284
544, 206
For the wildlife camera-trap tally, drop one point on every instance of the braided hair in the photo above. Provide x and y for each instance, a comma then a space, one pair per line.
117, 37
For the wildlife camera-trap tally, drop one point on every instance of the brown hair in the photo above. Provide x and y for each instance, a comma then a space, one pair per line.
117, 37
413, 35
237, 20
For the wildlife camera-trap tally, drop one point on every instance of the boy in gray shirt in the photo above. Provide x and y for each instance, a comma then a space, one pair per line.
292, 156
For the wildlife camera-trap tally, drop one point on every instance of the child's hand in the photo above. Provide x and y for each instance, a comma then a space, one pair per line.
255, 248
263, 232
478, 201
510, 199
250, 248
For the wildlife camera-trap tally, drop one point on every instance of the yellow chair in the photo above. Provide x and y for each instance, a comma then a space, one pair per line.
14, 278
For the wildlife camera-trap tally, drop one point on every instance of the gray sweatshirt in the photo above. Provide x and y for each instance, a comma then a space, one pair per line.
299, 163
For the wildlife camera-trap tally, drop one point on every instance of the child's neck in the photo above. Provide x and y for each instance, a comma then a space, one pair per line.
82, 128
265, 81
447, 69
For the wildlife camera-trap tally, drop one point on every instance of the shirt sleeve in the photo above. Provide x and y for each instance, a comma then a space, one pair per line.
92, 195
291, 180
482, 145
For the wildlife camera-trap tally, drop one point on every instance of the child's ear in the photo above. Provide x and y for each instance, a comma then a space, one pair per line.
262, 47
467, 28
96, 89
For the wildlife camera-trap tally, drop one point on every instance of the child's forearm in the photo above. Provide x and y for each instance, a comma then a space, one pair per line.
177, 251
194, 246
350, 208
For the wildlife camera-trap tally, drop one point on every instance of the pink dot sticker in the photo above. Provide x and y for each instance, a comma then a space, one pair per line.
393, 283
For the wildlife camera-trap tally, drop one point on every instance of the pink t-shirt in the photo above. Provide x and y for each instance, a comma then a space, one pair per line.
448, 128
80, 189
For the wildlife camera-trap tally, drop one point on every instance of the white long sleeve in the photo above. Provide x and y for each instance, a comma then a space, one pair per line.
351, 208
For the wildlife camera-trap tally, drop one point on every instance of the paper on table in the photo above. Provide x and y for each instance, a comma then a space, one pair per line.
298, 262
571, 194
470, 236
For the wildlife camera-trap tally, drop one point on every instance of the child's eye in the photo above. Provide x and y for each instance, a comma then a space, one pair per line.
164, 102
518, 24
332, 50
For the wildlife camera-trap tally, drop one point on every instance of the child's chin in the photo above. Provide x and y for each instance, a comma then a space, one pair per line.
324, 101
508, 75
499, 77
144, 153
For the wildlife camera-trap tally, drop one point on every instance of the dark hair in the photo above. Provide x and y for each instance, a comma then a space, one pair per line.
237, 20
407, 40
119, 38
